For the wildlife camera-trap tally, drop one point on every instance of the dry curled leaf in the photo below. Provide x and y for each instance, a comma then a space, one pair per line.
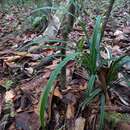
122, 126
57, 93
9, 95
80, 123
70, 111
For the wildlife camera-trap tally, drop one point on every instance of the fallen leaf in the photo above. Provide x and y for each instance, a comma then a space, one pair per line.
122, 126
70, 111
126, 30
116, 50
80, 123
34, 121
118, 32
83, 87
9, 95
10, 18
22, 121
29, 70
57, 93
69, 98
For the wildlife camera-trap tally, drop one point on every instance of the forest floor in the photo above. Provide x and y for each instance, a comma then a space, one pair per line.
23, 74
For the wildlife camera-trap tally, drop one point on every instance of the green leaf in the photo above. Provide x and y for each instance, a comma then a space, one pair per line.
80, 45
115, 66
49, 86
91, 83
102, 112
8, 84
128, 83
96, 34
45, 8
114, 118
36, 21
89, 99
95, 45
42, 39
87, 62
83, 25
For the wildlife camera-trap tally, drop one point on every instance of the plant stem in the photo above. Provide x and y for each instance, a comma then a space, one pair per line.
67, 27
107, 17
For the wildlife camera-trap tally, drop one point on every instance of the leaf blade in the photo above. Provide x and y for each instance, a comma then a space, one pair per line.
49, 87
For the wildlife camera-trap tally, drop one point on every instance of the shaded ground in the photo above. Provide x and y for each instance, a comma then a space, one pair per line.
24, 74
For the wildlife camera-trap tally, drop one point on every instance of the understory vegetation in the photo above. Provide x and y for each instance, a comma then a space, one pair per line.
64, 65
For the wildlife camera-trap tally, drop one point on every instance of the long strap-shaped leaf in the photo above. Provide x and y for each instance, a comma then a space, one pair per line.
49, 86
102, 112
88, 100
115, 66
95, 44
90, 84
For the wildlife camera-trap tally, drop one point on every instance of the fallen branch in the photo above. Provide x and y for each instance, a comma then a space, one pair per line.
53, 27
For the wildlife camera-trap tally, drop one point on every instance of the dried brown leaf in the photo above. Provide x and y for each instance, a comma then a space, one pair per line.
70, 111
80, 123
57, 93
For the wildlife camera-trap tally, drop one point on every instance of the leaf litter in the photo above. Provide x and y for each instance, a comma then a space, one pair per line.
25, 75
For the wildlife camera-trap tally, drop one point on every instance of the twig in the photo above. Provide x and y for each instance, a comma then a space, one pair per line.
122, 109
